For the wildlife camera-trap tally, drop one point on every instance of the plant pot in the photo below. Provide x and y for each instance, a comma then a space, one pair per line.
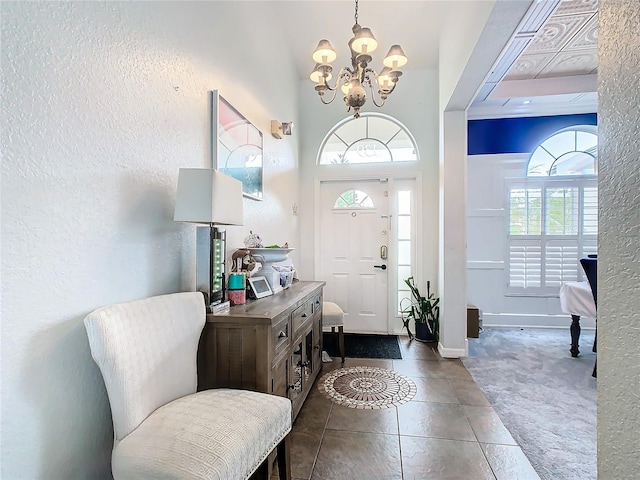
423, 334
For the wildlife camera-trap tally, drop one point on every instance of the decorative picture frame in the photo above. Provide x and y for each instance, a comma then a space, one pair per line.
237, 147
260, 288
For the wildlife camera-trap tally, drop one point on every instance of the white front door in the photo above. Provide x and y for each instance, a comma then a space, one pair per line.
354, 228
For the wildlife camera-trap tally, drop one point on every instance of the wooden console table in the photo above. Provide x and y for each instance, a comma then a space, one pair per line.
271, 345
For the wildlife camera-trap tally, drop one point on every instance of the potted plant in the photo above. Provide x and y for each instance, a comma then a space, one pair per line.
424, 311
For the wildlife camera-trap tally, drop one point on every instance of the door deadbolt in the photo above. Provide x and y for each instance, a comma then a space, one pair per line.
383, 252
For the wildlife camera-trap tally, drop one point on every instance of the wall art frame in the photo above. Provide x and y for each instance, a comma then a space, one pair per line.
237, 146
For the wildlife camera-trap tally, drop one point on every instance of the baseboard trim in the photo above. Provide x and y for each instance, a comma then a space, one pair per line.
532, 320
454, 352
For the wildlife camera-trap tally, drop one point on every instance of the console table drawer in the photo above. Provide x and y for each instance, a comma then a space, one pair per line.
300, 316
281, 335
316, 303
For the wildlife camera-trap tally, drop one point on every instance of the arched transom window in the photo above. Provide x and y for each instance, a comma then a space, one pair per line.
572, 151
353, 199
372, 138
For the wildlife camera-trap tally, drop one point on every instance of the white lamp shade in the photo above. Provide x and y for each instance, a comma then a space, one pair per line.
209, 197
364, 41
324, 52
395, 58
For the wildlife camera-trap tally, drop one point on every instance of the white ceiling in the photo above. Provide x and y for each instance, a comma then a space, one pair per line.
414, 25
551, 61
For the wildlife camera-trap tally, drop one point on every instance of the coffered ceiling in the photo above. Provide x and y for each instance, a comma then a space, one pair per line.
549, 67
566, 44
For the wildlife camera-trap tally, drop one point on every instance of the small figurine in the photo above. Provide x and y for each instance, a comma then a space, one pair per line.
253, 240
243, 261
237, 259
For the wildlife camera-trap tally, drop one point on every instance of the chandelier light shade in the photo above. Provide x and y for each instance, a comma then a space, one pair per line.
353, 81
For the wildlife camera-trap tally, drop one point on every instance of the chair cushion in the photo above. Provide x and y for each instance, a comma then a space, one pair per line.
332, 315
214, 434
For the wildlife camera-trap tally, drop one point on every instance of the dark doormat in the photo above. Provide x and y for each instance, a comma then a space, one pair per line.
362, 345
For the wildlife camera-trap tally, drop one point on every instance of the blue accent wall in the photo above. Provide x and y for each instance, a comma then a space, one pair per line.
518, 135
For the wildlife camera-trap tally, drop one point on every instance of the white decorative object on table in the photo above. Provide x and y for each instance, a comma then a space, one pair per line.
287, 272
267, 257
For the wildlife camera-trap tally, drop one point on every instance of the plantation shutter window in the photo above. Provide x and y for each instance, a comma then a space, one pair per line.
553, 214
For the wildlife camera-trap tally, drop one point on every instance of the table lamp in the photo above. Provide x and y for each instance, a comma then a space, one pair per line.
208, 197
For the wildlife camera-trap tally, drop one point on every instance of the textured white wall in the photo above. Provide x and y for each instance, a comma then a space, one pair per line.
102, 103
619, 240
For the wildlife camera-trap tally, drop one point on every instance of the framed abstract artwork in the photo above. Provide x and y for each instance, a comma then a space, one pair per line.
237, 147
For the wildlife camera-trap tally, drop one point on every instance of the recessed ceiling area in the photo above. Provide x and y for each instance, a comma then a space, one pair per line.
549, 67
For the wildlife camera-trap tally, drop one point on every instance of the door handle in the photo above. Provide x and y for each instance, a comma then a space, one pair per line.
383, 266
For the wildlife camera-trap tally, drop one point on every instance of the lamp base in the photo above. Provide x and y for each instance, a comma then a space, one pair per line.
210, 264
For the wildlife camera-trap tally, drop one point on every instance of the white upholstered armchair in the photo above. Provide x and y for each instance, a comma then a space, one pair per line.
146, 351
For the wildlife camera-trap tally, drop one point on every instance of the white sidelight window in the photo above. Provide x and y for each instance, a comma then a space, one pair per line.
404, 229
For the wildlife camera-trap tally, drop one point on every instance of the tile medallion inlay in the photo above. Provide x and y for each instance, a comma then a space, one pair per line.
366, 387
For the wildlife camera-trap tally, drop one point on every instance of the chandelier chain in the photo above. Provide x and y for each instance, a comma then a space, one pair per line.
356, 15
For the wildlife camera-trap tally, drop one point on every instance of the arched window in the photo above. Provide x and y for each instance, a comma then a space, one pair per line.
372, 138
553, 213
572, 151
353, 199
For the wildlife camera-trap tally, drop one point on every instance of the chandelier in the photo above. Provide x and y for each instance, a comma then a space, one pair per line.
352, 81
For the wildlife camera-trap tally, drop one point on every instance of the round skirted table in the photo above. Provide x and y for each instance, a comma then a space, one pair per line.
576, 299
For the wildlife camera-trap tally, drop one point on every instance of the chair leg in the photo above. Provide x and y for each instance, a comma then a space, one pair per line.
341, 341
284, 460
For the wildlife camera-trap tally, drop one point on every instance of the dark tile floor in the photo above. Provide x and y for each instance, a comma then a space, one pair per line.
448, 430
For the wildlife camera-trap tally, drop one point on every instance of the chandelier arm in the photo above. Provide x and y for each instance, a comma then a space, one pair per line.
366, 79
373, 96
344, 72
333, 97
388, 92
